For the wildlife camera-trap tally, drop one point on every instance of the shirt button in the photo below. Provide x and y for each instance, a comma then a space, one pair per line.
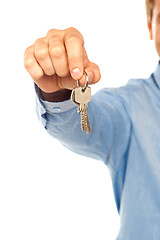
56, 109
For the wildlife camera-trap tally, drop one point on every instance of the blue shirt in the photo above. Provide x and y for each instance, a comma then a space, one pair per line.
125, 135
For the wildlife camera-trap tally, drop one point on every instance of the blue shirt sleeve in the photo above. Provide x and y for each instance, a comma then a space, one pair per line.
109, 121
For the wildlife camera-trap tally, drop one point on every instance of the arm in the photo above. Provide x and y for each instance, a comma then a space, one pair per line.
55, 62
110, 124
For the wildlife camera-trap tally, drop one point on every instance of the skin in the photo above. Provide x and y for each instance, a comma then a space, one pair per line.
154, 26
51, 60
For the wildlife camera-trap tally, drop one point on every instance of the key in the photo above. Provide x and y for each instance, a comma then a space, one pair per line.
82, 113
82, 102
83, 97
88, 126
84, 119
87, 122
73, 100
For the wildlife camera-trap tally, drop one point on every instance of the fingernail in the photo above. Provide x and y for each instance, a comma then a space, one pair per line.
76, 72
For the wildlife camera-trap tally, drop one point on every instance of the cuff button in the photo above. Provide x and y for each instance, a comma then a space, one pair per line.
56, 109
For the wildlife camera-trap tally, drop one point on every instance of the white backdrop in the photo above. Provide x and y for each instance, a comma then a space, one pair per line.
46, 191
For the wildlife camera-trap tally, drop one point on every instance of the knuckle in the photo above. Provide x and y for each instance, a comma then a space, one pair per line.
72, 29
57, 51
73, 34
71, 39
41, 53
37, 75
38, 41
54, 40
52, 32
28, 62
26, 52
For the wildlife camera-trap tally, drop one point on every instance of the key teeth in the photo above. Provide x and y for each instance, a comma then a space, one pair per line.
88, 127
83, 121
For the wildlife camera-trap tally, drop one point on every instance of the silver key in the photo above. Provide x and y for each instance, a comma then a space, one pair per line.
83, 115
88, 126
87, 121
84, 119
83, 97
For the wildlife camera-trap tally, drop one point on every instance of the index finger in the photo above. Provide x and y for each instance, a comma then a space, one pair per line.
74, 44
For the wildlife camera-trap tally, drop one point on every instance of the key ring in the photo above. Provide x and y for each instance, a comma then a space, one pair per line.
86, 85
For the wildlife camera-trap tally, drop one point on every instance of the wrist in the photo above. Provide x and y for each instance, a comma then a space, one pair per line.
58, 96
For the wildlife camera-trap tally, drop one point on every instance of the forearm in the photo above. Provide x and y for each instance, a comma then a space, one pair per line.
65, 126
110, 126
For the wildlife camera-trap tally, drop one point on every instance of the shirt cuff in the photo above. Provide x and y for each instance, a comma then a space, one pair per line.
58, 107
53, 107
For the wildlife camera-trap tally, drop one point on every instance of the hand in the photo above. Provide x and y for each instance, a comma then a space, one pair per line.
53, 61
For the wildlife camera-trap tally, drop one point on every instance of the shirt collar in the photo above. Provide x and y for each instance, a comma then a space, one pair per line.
157, 75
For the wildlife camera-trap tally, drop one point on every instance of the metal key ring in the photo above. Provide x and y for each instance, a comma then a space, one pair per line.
86, 85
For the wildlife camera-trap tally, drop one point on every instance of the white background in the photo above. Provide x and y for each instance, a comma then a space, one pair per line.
46, 191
